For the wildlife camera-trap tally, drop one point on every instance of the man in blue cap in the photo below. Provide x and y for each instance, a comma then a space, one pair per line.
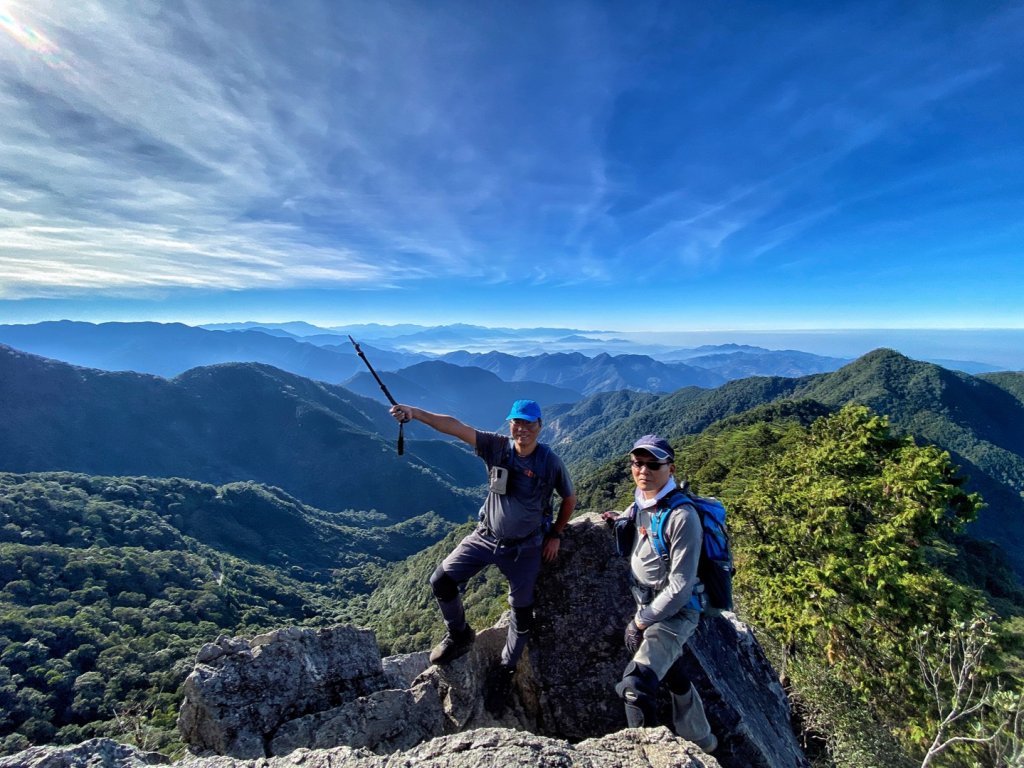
515, 532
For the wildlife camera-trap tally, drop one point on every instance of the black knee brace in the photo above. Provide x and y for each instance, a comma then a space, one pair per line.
676, 679
522, 620
444, 586
638, 689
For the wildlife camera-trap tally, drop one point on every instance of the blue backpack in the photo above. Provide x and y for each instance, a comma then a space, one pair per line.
715, 569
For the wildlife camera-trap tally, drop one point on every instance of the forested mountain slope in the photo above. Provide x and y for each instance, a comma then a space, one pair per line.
109, 586
979, 419
617, 423
226, 423
1012, 382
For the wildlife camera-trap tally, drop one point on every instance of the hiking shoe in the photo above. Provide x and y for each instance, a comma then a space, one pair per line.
452, 646
708, 744
497, 689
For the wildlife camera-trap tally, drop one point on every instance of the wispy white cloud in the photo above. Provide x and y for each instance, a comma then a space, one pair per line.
53, 261
350, 143
363, 126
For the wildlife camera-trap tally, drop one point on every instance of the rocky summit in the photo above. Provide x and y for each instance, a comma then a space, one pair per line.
326, 698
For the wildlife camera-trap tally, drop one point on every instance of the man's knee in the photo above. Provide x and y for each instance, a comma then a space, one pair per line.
638, 690
523, 620
676, 679
445, 588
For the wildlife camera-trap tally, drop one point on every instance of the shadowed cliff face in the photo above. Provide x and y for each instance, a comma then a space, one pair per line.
583, 604
324, 697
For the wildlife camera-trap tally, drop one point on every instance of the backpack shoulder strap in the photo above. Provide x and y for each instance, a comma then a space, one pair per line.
658, 530
544, 470
677, 498
543, 464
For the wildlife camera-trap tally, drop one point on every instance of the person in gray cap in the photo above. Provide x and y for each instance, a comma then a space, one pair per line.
667, 594
514, 533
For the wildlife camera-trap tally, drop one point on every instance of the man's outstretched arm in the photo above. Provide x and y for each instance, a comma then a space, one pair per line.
449, 425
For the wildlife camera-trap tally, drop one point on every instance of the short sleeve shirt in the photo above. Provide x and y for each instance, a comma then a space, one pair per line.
519, 511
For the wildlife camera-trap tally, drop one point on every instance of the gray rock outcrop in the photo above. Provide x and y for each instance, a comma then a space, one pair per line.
241, 691
325, 698
480, 748
94, 753
583, 604
303, 689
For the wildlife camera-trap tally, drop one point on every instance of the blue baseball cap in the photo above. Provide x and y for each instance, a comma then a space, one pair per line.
527, 410
658, 447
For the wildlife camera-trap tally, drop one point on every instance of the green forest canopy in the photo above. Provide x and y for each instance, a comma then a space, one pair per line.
846, 536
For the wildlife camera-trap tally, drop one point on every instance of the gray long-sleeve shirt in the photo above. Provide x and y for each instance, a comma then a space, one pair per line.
674, 581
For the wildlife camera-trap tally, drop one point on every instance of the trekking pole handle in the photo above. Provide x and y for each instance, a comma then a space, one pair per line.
384, 389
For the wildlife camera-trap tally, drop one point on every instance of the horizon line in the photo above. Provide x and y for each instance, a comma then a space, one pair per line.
335, 326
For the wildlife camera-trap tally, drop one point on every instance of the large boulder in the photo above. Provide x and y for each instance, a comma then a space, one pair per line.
583, 606
480, 748
325, 698
297, 689
241, 692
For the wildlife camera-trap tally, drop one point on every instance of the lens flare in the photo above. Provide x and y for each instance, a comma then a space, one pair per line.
31, 39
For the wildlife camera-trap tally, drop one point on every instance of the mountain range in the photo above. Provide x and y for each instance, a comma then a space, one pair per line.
167, 349
587, 375
325, 443
170, 349
968, 350
471, 394
226, 423
979, 419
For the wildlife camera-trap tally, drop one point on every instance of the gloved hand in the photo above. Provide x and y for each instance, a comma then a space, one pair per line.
633, 637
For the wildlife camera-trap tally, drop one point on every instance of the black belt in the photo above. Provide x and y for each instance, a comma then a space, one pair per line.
487, 533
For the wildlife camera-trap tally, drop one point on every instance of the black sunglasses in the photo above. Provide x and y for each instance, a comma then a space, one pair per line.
654, 466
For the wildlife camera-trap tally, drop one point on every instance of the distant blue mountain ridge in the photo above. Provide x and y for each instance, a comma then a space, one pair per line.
979, 350
584, 362
589, 375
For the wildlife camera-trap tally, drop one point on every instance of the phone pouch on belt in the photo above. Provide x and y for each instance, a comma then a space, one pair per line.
497, 480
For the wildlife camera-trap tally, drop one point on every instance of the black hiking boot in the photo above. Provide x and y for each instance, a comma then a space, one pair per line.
452, 646
497, 689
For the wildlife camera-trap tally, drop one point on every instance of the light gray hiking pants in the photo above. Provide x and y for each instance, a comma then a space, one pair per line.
659, 652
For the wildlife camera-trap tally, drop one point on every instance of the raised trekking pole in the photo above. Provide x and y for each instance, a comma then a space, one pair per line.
384, 389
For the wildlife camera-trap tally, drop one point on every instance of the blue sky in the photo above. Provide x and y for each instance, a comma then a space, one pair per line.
636, 165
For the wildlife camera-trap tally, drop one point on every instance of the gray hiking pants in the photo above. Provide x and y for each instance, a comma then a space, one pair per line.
519, 563
660, 652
